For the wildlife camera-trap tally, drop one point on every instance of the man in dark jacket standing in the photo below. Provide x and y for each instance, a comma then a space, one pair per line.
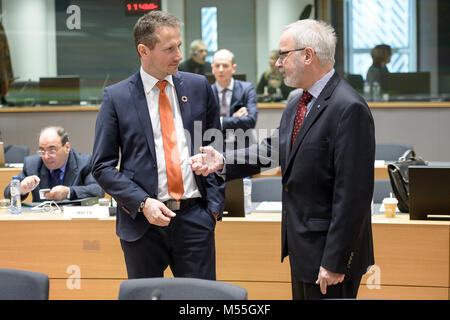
325, 146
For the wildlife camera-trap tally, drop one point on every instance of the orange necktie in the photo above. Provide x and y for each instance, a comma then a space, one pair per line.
171, 153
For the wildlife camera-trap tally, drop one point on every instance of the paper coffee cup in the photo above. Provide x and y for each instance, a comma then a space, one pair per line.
390, 207
103, 202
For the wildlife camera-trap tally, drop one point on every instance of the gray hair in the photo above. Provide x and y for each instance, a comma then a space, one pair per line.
316, 34
145, 27
194, 44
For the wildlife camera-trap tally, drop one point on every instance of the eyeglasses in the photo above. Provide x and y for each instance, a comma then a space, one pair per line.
50, 152
282, 55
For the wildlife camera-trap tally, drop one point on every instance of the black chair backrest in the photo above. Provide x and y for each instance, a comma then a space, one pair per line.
266, 189
382, 189
23, 285
391, 151
16, 154
179, 289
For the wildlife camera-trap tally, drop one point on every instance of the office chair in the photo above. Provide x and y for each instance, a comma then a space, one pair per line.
16, 153
23, 285
179, 289
266, 189
382, 189
390, 151
356, 81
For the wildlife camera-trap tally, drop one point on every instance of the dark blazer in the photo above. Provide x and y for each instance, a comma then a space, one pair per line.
244, 95
123, 123
328, 179
77, 176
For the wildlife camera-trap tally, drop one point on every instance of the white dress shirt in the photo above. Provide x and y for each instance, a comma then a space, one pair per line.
152, 96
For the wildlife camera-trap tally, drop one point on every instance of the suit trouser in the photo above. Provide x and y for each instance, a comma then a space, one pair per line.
187, 245
348, 289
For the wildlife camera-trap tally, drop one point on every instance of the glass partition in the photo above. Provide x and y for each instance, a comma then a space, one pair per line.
62, 52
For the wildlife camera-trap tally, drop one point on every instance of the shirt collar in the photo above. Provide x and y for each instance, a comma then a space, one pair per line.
317, 87
63, 168
230, 86
150, 81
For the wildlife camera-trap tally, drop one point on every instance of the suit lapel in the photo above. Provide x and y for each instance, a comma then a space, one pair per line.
44, 175
216, 94
139, 101
184, 100
318, 107
235, 97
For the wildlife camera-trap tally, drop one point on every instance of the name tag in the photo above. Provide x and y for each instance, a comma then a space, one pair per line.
94, 212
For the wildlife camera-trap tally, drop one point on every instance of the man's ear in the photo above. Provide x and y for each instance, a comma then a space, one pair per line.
67, 147
143, 50
309, 54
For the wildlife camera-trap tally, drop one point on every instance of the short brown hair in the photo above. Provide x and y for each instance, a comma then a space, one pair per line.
145, 27
381, 53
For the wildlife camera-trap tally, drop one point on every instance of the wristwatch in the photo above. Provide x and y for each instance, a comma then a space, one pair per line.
142, 205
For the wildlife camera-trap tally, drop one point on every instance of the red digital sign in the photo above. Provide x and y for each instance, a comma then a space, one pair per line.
137, 8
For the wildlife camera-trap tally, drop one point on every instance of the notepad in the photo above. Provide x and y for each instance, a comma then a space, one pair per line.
269, 206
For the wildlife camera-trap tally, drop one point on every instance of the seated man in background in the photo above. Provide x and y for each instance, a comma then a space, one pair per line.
197, 62
59, 168
237, 99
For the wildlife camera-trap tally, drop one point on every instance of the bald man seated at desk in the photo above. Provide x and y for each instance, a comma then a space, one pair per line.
57, 167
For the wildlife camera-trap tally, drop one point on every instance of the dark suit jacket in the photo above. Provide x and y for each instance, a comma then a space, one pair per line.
328, 179
77, 176
124, 123
191, 66
244, 95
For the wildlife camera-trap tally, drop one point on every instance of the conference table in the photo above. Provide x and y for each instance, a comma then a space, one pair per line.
84, 260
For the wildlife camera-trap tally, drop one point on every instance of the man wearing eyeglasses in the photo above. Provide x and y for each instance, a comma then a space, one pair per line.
325, 146
57, 167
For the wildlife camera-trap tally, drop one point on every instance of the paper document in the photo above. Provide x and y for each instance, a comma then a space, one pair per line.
269, 206
379, 163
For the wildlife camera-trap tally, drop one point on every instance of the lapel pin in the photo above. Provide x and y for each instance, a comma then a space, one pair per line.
184, 99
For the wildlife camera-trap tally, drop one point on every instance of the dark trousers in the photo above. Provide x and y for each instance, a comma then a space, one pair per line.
348, 289
187, 245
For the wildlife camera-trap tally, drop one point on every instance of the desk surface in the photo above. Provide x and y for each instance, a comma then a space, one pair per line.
412, 257
377, 218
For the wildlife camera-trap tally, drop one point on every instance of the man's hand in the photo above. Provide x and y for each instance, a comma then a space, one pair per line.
206, 162
242, 112
328, 278
157, 213
28, 184
58, 193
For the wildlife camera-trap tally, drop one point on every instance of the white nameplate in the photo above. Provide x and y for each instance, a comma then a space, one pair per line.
81, 212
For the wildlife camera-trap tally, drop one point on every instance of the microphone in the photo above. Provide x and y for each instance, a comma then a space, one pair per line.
156, 294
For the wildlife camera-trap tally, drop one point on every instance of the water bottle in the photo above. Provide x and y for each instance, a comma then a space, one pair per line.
16, 205
376, 91
367, 91
247, 195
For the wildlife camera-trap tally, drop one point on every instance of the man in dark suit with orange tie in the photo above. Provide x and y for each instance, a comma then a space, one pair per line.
325, 146
166, 215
